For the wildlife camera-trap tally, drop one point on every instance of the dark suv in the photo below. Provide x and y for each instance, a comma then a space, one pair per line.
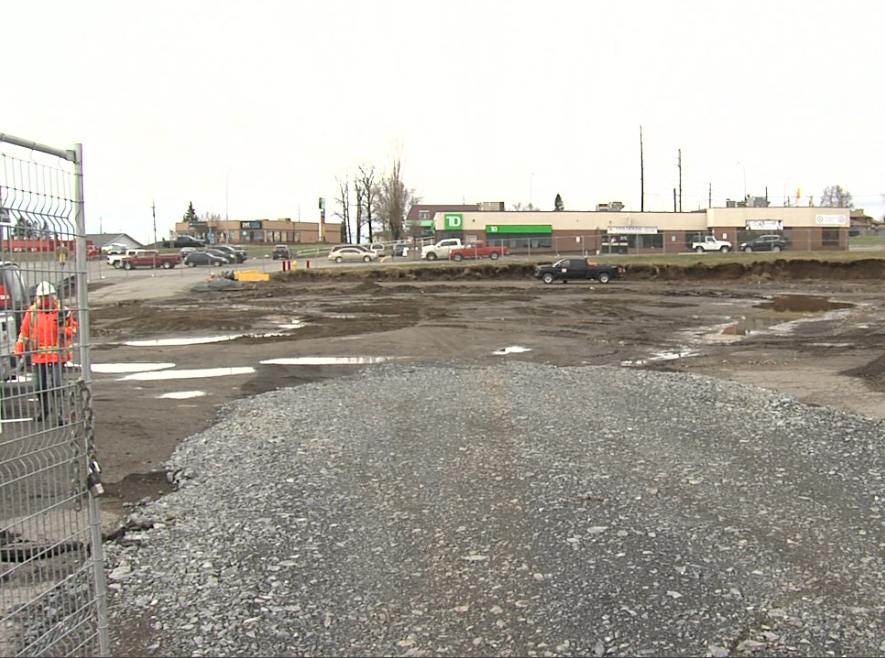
184, 241
765, 243
281, 252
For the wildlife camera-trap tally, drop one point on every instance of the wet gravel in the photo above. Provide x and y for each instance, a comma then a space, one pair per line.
512, 510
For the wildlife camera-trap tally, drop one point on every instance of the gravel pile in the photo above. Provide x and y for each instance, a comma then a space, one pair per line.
513, 510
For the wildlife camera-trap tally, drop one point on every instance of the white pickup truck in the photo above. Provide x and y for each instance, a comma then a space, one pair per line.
710, 243
441, 249
116, 259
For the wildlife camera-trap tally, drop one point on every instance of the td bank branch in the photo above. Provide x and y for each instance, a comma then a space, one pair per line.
601, 232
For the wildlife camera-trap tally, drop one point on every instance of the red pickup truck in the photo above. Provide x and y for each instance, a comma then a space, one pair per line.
149, 258
477, 250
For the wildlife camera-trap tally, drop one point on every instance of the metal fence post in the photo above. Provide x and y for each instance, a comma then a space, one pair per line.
99, 583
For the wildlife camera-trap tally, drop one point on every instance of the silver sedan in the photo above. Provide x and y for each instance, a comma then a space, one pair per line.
352, 254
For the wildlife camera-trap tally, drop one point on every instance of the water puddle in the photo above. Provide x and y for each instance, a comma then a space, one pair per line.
118, 368
326, 360
661, 356
748, 325
203, 340
780, 310
176, 342
188, 374
182, 395
513, 349
803, 304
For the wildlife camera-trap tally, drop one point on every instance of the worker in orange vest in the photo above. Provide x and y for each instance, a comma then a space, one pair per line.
47, 331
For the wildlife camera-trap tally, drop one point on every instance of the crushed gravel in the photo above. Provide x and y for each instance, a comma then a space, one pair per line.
512, 510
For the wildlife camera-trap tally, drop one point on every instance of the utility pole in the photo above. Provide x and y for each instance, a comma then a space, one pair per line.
154, 213
710, 196
641, 175
674, 199
680, 179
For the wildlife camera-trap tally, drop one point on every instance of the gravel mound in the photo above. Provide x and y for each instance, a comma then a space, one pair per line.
512, 510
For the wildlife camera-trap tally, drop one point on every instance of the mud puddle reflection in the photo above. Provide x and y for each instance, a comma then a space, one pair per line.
780, 310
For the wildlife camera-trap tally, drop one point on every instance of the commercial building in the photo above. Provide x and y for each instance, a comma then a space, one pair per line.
805, 228
261, 231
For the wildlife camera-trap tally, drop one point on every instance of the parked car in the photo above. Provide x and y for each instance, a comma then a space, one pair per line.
281, 252
185, 251
184, 241
378, 248
352, 254
355, 246
400, 250
115, 248
205, 258
238, 254
765, 243
229, 258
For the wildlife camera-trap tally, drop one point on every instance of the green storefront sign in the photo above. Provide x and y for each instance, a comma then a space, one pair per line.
535, 229
453, 221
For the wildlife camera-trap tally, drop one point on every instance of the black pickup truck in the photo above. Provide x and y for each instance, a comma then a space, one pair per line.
567, 269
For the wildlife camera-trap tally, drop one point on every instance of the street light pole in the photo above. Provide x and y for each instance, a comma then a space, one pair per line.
226, 178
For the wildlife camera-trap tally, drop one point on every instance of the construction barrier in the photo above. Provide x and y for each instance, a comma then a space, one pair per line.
251, 275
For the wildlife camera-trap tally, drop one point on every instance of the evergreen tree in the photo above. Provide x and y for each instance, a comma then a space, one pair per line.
558, 204
191, 214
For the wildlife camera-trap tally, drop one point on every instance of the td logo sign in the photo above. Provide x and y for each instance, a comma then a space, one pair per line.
453, 221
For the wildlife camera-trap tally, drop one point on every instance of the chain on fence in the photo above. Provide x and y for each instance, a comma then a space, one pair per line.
52, 588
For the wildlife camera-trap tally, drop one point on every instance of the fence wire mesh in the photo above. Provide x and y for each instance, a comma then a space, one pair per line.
52, 589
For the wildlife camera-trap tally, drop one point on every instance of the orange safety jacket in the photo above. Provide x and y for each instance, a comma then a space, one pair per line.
39, 334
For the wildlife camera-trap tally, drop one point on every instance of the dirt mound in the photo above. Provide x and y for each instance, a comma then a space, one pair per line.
873, 373
773, 270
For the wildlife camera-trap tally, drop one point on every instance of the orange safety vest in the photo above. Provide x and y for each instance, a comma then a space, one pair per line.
39, 334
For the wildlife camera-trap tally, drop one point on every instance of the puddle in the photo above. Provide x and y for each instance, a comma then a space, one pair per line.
326, 360
182, 395
750, 324
203, 340
513, 349
188, 374
782, 309
117, 368
802, 304
661, 356
174, 342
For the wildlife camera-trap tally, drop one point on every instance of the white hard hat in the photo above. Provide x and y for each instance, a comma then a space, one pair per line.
45, 288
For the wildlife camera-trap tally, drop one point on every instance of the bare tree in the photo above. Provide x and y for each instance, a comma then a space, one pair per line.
522, 207
359, 194
342, 202
394, 199
835, 197
370, 194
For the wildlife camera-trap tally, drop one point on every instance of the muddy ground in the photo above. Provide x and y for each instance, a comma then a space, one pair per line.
814, 330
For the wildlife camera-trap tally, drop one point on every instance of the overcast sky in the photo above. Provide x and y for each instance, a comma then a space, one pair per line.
251, 109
